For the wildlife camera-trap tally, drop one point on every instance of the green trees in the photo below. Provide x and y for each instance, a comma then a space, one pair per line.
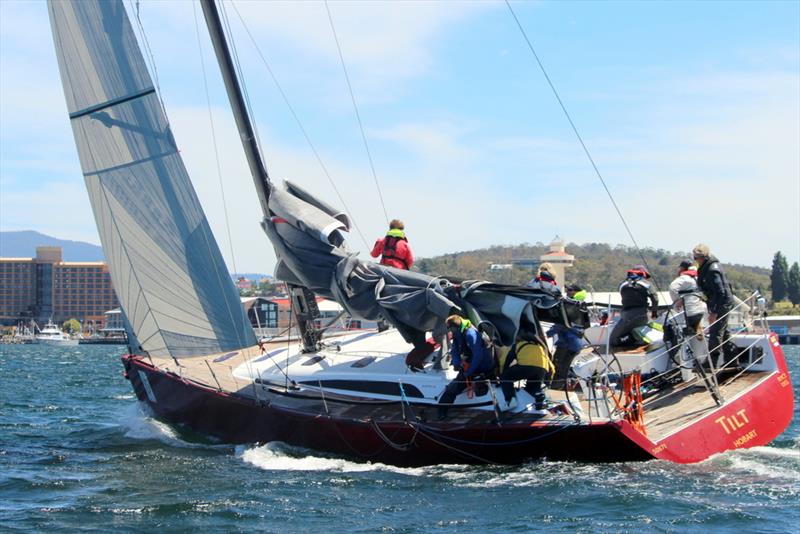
72, 326
597, 265
779, 279
793, 286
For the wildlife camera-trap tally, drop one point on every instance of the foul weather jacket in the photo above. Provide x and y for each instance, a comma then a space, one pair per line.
468, 346
394, 249
545, 283
636, 291
685, 287
714, 284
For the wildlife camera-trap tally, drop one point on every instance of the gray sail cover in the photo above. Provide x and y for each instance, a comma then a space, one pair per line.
308, 236
167, 270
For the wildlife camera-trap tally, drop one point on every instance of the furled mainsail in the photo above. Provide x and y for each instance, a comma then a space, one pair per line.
167, 270
308, 236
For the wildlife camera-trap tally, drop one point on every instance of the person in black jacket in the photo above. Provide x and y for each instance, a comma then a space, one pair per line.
636, 291
712, 281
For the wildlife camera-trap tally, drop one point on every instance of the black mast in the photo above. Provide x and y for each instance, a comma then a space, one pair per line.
243, 123
303, 303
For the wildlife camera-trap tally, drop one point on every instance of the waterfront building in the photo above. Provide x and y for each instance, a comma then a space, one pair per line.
273, 316
244, 284
45, 287
262, 312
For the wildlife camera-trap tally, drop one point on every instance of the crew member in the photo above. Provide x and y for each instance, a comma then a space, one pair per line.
687, 296
469, 356
636, 291
545, 279
393, 247
575, 292
712, 281
528, 360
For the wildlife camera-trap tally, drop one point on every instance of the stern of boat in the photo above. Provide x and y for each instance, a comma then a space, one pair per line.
758, 407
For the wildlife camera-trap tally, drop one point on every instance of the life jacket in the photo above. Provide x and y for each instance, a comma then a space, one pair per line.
393, 236
580, 296
694, 289
635, 292
545, 276
530, 353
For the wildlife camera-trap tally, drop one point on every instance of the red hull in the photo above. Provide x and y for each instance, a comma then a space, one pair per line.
754, 418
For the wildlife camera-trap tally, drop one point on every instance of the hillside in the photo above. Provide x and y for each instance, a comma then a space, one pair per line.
598, 265
23, 244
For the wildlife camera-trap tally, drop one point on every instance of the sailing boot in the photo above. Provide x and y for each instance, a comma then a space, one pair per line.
507, 405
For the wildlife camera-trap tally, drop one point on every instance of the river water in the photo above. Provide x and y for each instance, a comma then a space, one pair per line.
76, 452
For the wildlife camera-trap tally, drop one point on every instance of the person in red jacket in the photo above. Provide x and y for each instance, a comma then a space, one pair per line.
393, 248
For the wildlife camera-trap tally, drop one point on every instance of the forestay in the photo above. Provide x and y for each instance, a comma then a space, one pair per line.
308, 236
167, 270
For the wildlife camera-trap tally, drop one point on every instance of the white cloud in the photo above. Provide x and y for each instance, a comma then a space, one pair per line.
711, 155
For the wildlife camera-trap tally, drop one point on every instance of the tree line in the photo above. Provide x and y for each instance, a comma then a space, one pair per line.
785, 281
598, 266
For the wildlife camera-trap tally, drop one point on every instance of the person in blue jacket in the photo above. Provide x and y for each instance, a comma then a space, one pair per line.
469, 356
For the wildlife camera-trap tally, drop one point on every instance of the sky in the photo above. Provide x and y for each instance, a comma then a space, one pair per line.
690, 110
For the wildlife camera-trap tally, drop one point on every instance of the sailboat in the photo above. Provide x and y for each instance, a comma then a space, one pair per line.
195, 362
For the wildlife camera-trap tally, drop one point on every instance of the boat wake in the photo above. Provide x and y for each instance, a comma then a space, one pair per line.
138, 425
764, 463
277, 456
779, 466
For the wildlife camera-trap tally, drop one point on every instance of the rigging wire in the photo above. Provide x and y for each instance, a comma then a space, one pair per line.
150, 58
150, 64
300, 124
578, 135
214, 138
240, 74
358, 115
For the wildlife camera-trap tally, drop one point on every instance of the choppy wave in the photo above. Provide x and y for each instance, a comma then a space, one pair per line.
79, 452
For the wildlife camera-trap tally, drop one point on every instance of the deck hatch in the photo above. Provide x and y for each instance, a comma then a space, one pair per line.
225, 357
365, 361
314, 359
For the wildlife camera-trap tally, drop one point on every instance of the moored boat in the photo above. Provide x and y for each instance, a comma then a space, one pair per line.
51, 334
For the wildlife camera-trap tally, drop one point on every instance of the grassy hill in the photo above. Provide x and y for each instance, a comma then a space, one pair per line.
598, 265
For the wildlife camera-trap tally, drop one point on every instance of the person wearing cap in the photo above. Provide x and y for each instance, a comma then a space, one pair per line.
393, 248
636, 291
575, 292
468, 355
687, 296
712, 281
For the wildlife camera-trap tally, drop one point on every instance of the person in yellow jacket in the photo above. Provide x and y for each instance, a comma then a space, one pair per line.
527, 360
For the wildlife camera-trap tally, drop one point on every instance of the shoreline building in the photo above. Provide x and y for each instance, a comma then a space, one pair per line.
46, 287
